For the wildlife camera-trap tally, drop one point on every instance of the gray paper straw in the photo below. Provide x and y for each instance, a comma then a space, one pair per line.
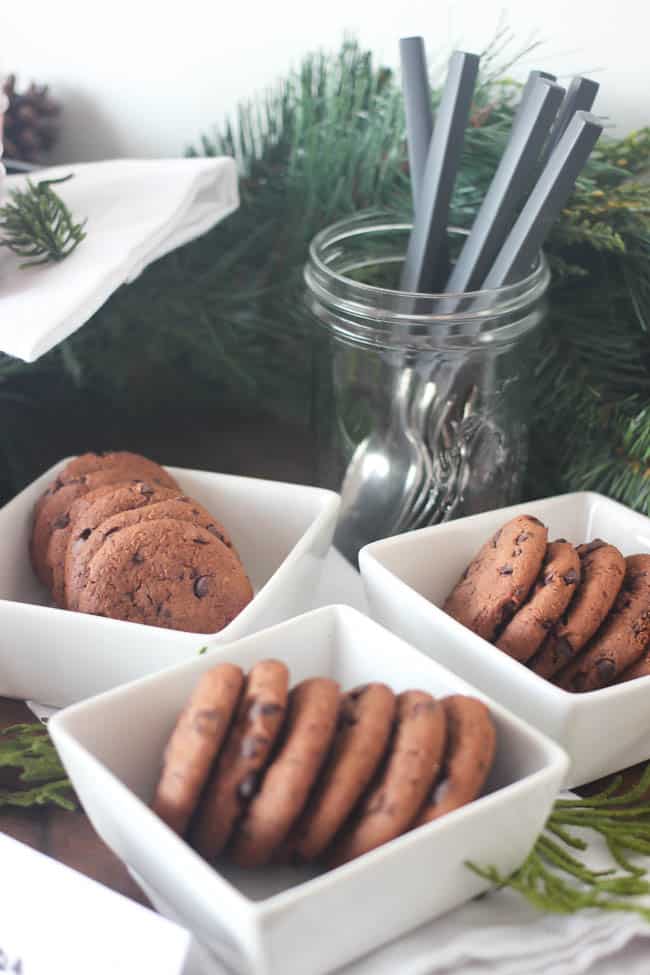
419, 114
506, 191
422, 269
527, 90
580, 97
550, 193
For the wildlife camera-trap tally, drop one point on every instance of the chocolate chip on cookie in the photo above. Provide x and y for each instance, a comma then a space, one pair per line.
603, 569
497, 581
471, 746
194, 743
622, 638
552, 593
100, 522
364, 728
283, 792
166, 573
260, 717
411, 767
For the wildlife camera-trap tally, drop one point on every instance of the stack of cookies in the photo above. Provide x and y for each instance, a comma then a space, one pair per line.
114, 535
578, 616
265, 774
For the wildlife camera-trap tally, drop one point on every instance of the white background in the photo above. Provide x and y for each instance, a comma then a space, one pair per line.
145, 77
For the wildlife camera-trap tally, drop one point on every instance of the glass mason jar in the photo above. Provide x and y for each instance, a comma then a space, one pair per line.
421, 401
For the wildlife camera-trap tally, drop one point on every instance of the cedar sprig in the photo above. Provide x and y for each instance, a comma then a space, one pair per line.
554, 880
37, 224
27, 749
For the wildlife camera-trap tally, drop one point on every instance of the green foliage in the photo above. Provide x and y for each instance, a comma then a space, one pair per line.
555, 880
28, 750
221, 321
36, 223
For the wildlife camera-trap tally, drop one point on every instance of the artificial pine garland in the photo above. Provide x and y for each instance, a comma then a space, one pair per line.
221, 321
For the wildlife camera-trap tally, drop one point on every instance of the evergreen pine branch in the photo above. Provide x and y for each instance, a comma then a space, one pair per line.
37, 224
555, 880
27, 750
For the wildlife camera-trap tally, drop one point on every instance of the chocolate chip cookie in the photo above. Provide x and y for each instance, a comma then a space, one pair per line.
100, 522
411, 767
166, 573
51, 512
79, 477
194, 743
364, 728
623, 637
310, 728
603, 569
133, 466
260, 717
639, 669
85, 511
469, 754
550, 596
497, 581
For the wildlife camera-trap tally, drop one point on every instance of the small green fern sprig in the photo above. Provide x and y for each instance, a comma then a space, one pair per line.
37, 224
554, 880
27, 750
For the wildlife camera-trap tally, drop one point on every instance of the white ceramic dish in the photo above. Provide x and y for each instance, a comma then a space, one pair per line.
407, 579
282, 532
281, 921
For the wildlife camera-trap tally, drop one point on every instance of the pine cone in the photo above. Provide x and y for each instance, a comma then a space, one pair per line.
31, 124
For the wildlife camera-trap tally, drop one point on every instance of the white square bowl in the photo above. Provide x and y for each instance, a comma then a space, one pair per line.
281, 531
284, 921
408, 578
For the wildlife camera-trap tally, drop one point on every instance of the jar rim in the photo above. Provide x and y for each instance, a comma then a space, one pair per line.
355, 297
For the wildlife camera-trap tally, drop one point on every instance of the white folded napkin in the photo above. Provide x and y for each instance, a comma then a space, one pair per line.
136, 210
55, 921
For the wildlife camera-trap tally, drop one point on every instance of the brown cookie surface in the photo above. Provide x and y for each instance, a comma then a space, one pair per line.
639, 669
310, 728
166, 573
411, 767
134, 466
109, 498
364, 728
194, 743
100, 522
497, 581
621, 639
469, 754
78, 477
51, 512
235, 778
603, 570
550, 596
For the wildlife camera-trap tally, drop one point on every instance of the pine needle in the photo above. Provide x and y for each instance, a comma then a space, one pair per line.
36, 223
555, 880
27, 749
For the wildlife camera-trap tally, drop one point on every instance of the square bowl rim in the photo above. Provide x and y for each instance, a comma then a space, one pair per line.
555, 759
329, 504
371, 554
